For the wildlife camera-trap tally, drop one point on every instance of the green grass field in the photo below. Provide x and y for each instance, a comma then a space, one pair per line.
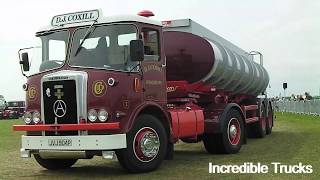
295, 139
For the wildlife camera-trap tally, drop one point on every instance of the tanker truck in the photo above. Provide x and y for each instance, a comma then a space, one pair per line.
130, 87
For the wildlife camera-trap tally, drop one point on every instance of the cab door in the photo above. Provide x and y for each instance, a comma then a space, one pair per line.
154, 82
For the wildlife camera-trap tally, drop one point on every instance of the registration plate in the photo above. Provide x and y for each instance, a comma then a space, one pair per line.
60, 142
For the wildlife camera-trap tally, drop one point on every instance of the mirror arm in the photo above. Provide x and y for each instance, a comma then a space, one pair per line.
141, 70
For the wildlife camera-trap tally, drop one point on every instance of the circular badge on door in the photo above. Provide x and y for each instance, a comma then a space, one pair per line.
32, 93
99, 88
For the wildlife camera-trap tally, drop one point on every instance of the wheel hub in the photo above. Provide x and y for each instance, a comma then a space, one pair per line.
149, 144
146, 144
233, 131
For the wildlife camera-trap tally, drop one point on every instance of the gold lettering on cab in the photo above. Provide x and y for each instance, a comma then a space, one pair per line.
153, 82
99, 88
152, 67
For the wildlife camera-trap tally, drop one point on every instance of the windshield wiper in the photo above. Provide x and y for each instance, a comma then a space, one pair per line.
89, 31
45, 33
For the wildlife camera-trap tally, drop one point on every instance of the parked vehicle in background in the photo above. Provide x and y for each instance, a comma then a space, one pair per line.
17, 108
11, 109
10, 114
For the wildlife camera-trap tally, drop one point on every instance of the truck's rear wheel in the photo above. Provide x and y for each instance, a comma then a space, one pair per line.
231, 138
269, 121
146, 145
55, 164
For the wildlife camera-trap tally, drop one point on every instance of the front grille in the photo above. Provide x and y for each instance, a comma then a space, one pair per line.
60, 103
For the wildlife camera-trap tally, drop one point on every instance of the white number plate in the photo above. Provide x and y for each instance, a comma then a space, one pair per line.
59, 142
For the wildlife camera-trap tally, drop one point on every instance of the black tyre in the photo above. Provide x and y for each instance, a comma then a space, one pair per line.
146, 145
231, 138
213, 143
12, 117
259, 128
55, 164
269, 121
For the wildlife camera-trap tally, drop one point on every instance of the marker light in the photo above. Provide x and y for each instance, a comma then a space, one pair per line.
146, 13
92, 115
103, 115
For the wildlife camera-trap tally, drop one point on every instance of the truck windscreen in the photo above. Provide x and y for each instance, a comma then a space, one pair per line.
54, 48
107, 47
51, 54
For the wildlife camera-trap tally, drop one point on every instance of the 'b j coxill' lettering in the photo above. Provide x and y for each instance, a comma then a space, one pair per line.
75, 18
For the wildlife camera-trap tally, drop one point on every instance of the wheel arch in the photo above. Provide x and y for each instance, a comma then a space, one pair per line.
156, 110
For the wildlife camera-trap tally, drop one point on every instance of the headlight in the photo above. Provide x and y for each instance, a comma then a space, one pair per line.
27, 117
36, 117
92, 115
103, 115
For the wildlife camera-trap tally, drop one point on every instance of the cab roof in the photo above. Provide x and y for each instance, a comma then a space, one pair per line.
99, 20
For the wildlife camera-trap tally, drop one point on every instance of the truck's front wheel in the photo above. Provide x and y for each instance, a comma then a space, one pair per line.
146, 145
55, 164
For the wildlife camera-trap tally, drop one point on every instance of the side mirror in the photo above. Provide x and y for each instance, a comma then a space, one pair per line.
25, 61
136, 50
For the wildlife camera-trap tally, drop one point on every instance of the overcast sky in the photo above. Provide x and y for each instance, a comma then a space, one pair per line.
287, 32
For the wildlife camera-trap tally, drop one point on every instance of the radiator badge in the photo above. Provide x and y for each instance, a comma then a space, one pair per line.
59, 108
48, 92
99, 88
59, 94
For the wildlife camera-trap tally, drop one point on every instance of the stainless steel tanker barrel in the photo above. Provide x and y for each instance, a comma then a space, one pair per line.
193, 58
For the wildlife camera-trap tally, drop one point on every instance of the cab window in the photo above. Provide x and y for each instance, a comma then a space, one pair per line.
150, 38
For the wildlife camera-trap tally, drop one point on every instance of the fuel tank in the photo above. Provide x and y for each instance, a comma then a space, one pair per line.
194, 53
